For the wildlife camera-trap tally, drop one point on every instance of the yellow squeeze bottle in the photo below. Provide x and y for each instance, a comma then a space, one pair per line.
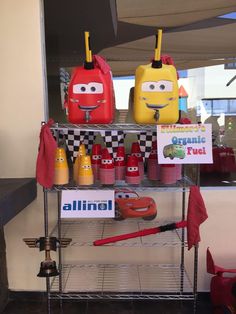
61, 174
85, 176
81, 152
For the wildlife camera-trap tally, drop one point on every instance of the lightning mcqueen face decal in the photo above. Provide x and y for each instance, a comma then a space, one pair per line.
128, 204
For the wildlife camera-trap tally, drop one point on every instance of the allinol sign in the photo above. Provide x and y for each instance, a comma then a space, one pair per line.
87, 204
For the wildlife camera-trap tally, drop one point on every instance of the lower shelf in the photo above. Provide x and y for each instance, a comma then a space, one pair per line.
84, 231
123, 281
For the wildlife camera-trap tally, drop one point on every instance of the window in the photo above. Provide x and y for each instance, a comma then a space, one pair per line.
215, 107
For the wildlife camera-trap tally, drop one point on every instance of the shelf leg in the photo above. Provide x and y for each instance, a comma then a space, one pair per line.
48, 296
195, 278
45, 202
59, 249
195, 272
182, 242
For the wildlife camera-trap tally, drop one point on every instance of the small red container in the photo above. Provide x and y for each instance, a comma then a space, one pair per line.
132, 175
96, 160
120, 163
107, 169
153, 168
136, 151
178, 171
168, 174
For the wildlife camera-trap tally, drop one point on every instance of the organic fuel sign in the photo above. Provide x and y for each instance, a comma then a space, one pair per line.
184, 144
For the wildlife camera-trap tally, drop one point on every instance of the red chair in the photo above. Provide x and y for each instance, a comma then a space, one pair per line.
227, 160
223, 161
222, 289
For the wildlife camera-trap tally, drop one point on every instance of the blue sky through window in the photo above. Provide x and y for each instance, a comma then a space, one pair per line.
231, 15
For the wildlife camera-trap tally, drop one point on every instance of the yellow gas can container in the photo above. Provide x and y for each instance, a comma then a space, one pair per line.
156, 91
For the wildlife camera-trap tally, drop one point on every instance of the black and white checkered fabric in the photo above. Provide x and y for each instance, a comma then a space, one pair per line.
74, 138
145, 140
64, 82
113, 139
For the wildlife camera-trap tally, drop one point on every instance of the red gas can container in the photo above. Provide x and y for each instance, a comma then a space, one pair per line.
90, 92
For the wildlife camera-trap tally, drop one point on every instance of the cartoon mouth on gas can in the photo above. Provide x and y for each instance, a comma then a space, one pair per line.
89, 108
155, 107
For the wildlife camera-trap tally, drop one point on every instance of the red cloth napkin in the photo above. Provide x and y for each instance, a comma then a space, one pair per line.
46, 156
166, 59
185, 121
197, 214
100, 63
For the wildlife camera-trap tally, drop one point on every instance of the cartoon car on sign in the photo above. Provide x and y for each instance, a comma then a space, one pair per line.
174, 151
128, 204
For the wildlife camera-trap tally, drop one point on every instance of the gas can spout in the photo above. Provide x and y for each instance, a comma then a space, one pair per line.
88, 64
87, 116
157, 63
156, 115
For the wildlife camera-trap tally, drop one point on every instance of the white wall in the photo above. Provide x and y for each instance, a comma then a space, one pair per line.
22, 103
21, 113
23, 262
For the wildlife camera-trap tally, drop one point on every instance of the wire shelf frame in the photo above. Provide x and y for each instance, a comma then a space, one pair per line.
145, 185
118, 281
85, 231
126, 127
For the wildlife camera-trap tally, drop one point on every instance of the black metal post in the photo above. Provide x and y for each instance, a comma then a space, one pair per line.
59, 238
45, 194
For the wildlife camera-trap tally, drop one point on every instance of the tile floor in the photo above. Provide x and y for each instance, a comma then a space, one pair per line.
108, 307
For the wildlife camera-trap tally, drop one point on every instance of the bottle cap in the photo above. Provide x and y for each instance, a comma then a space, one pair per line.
106, 160
136, 151
132, 169
153, 153
85, 168
81, 150
60, 158
96, 154
120, 156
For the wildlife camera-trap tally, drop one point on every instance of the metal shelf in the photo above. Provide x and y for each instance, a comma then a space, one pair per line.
123, 281
126, 127
145, 185
120, 281
84, 231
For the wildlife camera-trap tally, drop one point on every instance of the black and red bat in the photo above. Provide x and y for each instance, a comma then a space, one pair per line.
142, 233
196, 215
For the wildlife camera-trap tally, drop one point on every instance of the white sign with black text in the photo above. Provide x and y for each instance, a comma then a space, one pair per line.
87, 204
184, 144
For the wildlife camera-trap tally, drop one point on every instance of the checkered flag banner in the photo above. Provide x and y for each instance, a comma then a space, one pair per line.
64, 82
145, 140
74, 138
112, 140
